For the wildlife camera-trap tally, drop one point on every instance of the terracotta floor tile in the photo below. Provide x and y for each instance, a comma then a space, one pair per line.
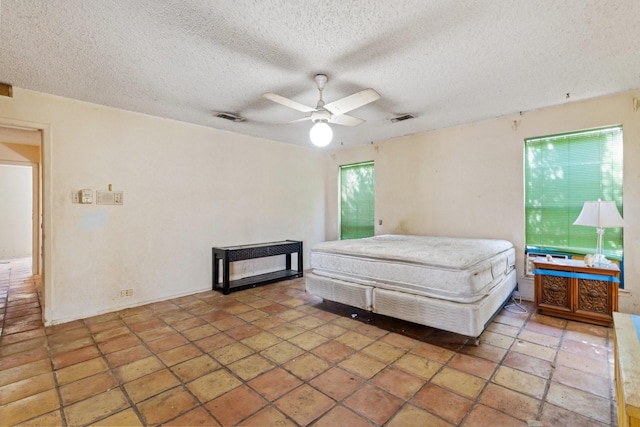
419, 366
165, 406
274, 383
530, 364
398, 382
287, 330
190, 323
472, 365
250, 367
128, 355
336, 383
231, 353
81, 370
157, 333
23, 336
362, 365
332, 351
167, 343
53, 418
87, 387
244, 331
304, 404
450, 406
585, 349
410, 416
373, 403
510, 402
330, 330
137, 369
581, 402
538, 338
123, 418
341, 416
583, 364
384, 352
213, 385
459, 382
555, 416
433, 352
228, 323
497, 340
268, 416
535, 350
326, 363
62, 360
214, 342
500, 328
520, 381
150, 385
485, 351
584, 381
483, 416
23, 371
236, 405
29, 407
261, 341
179, 354
22, 346
94, 408
306, 366
194, 368
26, 387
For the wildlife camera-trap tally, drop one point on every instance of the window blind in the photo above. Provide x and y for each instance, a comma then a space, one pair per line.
561, 173
357, 187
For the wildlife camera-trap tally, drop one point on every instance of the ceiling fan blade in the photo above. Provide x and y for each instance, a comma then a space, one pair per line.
288, 102
346, 120
304, 119
351, 102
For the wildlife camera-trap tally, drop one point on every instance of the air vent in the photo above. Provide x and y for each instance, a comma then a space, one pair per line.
402, 118
230, 116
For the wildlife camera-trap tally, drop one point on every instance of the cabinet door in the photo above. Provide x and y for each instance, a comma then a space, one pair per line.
554, 293
594, 298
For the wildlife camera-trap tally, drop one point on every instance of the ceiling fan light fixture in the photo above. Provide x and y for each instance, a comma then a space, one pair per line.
321, 134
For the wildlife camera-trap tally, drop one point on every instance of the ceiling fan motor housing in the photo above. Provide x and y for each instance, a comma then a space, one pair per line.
320, 116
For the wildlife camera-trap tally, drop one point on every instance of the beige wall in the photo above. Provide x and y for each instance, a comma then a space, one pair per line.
468, 180
186, 188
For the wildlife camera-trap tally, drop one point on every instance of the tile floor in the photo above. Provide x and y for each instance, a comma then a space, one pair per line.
276, 356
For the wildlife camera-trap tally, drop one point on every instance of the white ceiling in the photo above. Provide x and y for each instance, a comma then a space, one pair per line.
446, 62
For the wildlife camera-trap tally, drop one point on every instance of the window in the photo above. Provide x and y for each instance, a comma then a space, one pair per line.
561, 173
357, 185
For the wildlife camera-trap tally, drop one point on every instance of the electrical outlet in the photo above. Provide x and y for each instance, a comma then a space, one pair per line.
126, 293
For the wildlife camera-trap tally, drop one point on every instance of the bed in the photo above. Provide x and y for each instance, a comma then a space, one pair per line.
449, 283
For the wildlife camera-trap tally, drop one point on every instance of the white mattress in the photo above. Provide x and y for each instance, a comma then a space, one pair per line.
454, 269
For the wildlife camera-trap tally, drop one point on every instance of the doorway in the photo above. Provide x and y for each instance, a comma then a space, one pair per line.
20, 195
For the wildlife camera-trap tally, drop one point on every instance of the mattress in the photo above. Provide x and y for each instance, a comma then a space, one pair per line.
454, 269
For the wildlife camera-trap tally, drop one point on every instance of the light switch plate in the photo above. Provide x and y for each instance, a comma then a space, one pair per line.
109, 197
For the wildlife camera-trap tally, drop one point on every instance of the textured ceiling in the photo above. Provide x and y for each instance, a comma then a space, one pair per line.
446, 62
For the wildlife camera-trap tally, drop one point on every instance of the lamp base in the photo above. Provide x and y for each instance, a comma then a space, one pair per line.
600, 259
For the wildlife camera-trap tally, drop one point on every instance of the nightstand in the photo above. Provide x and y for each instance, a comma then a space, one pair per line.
569, 289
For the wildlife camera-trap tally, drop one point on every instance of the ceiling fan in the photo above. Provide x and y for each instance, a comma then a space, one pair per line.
333, 112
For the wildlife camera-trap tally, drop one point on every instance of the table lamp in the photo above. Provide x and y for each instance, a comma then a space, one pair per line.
600, 215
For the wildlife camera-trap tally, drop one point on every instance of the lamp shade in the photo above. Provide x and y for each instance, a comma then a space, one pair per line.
600, 214
321, 134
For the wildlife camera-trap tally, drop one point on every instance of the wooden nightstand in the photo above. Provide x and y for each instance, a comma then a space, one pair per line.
568, 288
